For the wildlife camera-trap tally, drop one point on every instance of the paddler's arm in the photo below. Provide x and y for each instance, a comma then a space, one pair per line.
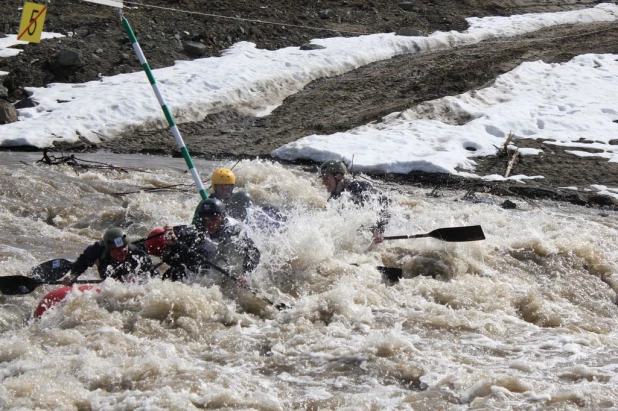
86, 260
384, 216
146, 265
252, 256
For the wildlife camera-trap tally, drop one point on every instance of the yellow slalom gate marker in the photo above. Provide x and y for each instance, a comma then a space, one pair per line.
31, 25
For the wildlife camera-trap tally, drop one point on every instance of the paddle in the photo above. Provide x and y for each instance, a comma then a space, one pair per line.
19, 284
143, 240
453, 234
392, 274
52, 270
278, 306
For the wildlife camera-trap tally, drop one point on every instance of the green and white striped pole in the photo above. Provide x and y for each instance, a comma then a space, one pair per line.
166, 110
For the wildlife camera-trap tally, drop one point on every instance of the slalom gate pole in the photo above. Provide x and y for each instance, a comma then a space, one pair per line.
166, 110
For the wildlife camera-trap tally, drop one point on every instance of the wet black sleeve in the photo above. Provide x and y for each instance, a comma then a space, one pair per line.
144, 262
185, 233
88, 258
252, 256
362, 191
186, 250
383, 216
189, 256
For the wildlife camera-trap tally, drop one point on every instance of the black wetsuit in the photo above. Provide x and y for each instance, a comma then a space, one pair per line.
137, 263
231, 242
362, 191
194, 249
186, 255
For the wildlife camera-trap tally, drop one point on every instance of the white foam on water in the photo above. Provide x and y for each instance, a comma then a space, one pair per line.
526, 318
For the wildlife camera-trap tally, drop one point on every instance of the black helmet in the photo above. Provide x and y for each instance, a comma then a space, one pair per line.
273, 212
210, 207
115, 237
332, 167
238, 203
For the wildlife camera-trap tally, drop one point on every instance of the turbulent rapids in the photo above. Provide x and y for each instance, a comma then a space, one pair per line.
526, 318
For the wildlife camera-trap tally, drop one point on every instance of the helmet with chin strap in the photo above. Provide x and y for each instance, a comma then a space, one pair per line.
333, 167
115, 237
222, 176
210, 207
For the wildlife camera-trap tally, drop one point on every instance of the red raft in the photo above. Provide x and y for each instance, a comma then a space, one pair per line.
55, 297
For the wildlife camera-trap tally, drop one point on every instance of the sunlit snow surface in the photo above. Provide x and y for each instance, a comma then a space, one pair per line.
10, 40
558, 103
251, 79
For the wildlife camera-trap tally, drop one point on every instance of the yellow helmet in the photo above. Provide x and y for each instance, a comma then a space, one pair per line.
222, 176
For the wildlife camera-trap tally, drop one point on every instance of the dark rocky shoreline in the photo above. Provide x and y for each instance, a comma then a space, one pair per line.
327, 105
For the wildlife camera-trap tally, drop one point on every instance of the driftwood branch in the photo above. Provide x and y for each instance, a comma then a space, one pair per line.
175, 187
183, 188
79, 164
504, 150
470, 194
99, 134
435, 193
512, 163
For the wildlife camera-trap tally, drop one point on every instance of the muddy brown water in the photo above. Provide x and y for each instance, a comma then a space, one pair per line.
525, 319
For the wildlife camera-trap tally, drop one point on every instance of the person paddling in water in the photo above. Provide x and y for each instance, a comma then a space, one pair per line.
180, 247
225, 242
115, 258
333, 174
216, 238
222, 184
266, 217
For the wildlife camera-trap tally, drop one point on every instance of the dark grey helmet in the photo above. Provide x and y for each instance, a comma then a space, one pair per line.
333, 167
238, 203
210, 207
273, 212
115, 237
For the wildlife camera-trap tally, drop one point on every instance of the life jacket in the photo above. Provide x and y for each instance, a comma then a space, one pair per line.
360, 192
135, 267
231, 248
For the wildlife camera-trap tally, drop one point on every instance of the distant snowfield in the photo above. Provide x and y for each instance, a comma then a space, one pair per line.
561, 102
243, 77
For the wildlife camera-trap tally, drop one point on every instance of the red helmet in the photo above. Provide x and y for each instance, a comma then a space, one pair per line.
156, 245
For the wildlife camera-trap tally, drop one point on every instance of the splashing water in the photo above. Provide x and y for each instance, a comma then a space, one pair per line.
525, 319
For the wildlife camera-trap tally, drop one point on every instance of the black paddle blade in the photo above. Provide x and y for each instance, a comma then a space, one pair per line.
459, 234
391, 274
453, 234
52, 270
282, 306
18, 284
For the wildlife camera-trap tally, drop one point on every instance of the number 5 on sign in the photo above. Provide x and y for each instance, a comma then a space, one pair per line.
31, 25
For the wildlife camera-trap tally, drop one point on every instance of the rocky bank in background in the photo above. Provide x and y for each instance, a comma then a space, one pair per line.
96, 45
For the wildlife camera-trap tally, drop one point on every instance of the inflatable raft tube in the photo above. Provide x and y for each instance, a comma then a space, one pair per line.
56, 297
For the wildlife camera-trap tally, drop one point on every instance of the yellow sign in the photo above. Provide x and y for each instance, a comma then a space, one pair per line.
31, 25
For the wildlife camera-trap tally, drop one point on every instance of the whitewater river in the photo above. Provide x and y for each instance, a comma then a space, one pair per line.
526, 319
